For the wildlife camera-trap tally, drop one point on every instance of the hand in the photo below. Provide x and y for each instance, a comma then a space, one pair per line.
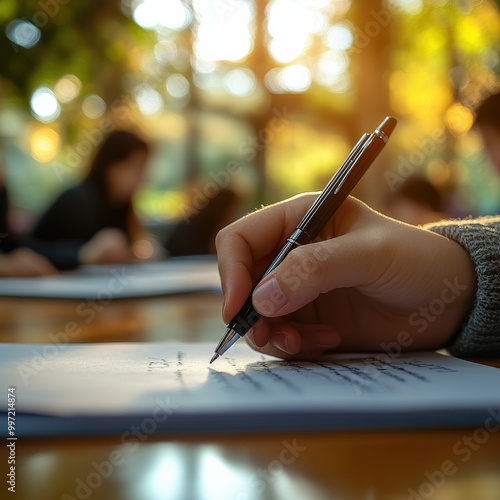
108, 246
367, 282
23, 263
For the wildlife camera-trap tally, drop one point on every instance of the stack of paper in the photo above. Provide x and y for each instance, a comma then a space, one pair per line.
160, 387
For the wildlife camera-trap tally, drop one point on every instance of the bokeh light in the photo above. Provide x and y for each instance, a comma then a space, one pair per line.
291, 79
93, 106
459, 119
332, 67
23, 33
44, 104
148, 100
177, 86
340, 36
240, 82
44, 144
67, 88
172, 14
410, 6
290, 24
223, 37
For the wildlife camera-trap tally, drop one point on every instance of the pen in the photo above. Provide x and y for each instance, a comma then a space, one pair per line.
336, 191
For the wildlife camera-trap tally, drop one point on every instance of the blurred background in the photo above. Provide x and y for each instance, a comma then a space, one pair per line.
264, 96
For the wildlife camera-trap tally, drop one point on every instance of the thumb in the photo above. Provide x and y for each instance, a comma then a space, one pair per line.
313, 269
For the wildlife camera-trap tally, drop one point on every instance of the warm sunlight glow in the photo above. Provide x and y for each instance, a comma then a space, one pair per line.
44, 144
290, 24
332, 68
340, 36
459, 119
292, 79
223, 35
172, 14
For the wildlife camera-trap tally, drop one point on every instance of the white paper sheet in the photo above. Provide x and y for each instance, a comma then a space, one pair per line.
102, 388
121, 281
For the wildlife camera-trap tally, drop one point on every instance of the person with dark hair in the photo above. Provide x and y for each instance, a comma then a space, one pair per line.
94, 222
488, 122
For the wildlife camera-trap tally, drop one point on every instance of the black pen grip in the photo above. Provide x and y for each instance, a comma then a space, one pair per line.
248, 316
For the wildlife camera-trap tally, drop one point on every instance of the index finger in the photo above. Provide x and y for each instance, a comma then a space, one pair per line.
246, 247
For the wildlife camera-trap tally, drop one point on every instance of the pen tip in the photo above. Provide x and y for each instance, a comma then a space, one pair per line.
214, 357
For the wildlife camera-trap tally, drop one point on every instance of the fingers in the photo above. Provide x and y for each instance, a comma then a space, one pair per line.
350, 260
279, 338
246, 247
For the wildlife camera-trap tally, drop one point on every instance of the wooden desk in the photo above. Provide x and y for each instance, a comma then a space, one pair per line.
437, 464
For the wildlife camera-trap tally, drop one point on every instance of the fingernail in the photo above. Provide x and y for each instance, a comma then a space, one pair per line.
326, 338
268, 298
280, 341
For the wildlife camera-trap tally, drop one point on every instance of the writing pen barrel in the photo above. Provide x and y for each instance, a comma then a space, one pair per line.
334, 194
341, 185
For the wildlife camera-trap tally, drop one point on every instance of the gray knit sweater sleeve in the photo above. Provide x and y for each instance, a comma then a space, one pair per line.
480, 334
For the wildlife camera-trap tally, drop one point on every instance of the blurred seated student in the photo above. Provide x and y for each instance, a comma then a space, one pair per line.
488, 123
14, 259
195, 233
416, 201
94, 222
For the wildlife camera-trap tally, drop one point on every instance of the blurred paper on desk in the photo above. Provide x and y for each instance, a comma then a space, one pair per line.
91, 389
176, 275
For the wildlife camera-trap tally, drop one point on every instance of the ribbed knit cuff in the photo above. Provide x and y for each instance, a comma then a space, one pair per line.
480, 334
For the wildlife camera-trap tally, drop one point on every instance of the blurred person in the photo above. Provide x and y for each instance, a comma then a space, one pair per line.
488, 123
14, 259
417, 201
195, 234
94, 222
